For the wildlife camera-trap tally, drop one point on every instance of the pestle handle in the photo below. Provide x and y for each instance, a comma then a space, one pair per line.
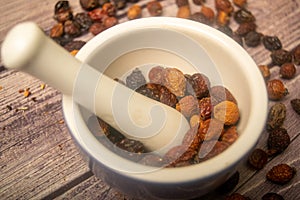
158, 126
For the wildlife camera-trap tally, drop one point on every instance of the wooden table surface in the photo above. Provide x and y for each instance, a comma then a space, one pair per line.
38, 159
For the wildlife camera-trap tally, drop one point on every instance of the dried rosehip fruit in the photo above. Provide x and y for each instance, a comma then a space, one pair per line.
174, 80
156, 75
272, 196
96, 28
276, 89
71, 28
200, 17
253, 39
240, 3
230, 184
208, 13
184, 12
74, 45
222, 18
243, 15
62, 11
287, 70
188, 106
227, 112
278, 141
281, 56
154, 8
89, 4
135, 79
120, 4
230, 135
258, 159
265, 71
110, 22
296, 54
192, 139
271, 42
109, 8
167, 97
211, 129
281, 174
179, 154
83, 20
97, 15
57, 30
236, 196
150, 90
245, 28
224, 5
133, 149
205, 108
226, 29
180, 3
211, 148
295, 103
276, 116
134, 12
200, 85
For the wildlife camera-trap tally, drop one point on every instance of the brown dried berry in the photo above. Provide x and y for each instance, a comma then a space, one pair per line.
57, 30
74, 45
208, 13
89, 4
243, 15
224, 5
295, 103
205, 108
109, 8
265, 71
178, 154
188, 106
287, 70
253, 39
166, 97
184, 12
110, 22
96, 28
230, 135
200, 85
97, 15
71, 28
278, 141
230, 184
134, 12
198, 2
240, 3
296, 54
174, 80
281, 174
199, 17
154, 8
211, 148
226, 29
192, 138
180, 3
135, 79
83, 20
236, 196
258, 159
62, 11
272, 196
245, 28
211, 129
227, 112
281, 56
156, 75
272, 43
276, 116
150, 90
133, 149
276, 89
222, 18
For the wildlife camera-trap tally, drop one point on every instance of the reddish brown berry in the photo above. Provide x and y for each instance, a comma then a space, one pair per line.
258, 159
281, 174
287, 70
276, 89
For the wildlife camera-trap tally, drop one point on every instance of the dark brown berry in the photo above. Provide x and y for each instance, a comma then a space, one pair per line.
224, 5
271, 43
243, 15
287, 70
110, 22
253, 39
154, 8
258, 159
278, 141
272, 196
62, 11
71, 28
276, 89
156, 74
296, 54
109, 8
83, 20
295, 103
89, 4
281, 56
205, 108
245, 28
96, 28
276, 116
74, 45
200, 85
281, 174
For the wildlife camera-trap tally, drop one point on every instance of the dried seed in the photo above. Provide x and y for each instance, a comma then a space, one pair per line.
245, 28
276, 116
281, 174
278, 141
258, 159
295, 103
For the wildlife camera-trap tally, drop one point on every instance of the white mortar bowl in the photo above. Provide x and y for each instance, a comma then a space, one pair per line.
238, 73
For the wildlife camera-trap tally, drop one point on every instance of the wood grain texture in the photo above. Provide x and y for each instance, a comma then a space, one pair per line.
38, 159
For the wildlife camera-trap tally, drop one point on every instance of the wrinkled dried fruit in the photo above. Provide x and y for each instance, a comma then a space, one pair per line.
208, 13
278, 141
89, 4
243, 15
253, 39
227, 112
281, 56
180, 3
97, 15
205, 108
281, 174
236, 196
167, 97
211, 148
57, 30
62, 11
230, 135
133, 149
199, 17
156, 75
84, 21
134, 12
188, 106
287, 70
211, 129
96, 28
258, 159
295, 103
110, 22
174, 80
71, 28
276, 116
192, 139
154, 8
276, 89
135, 79
272, 196
150, 90
109, 8
226, 29
74, 45
179, 154
222, 18
184, 12
265, 71
240, 3
230, 184
220, 93
224, 5
271, 42
200, 85
245, 28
